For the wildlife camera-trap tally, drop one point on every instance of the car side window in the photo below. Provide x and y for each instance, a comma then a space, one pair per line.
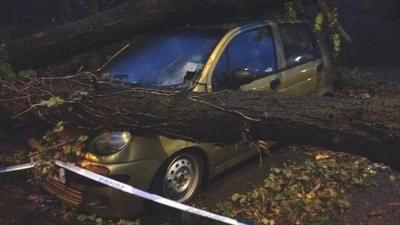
298, 44
253, 50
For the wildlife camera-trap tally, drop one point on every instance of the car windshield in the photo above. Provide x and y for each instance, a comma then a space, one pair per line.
163, 61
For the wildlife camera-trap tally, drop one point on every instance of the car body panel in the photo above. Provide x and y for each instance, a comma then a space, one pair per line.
103, 200
303, 78
161, 149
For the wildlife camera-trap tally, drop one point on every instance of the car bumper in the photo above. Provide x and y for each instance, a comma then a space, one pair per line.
93, 197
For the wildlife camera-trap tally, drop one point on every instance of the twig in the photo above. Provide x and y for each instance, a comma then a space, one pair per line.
225, 110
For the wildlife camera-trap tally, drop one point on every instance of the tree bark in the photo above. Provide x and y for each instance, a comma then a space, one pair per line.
139, 16
132, 17
366, 127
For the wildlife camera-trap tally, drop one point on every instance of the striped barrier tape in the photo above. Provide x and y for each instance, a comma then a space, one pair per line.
24, 166
131, 190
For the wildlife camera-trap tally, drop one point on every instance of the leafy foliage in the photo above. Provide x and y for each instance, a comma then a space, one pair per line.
336, 43
7, 72
95, 220
52, 102
301, 193
55, 146
291, 11
319, 22
324, 21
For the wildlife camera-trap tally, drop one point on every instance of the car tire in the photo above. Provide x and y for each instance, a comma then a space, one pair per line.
180, 177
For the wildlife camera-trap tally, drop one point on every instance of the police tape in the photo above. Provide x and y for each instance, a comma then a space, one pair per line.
131, 190
17, 167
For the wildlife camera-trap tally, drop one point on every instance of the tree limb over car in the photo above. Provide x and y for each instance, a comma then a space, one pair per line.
135, 18
366, 127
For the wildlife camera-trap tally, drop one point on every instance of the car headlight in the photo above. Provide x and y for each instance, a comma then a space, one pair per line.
111, 142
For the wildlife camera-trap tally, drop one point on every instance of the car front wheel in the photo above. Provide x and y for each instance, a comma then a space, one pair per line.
181, 177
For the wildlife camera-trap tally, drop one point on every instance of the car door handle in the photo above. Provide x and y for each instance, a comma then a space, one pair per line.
275, 84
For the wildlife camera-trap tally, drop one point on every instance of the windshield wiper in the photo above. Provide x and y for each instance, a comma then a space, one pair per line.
113, 57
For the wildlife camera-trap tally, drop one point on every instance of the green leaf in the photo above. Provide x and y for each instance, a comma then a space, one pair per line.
337, 42
319, 21
242, 199
304, 177
53, 101
81, 217
58, 127
267, 221
99, 221
83, 138
276, 170
236, 197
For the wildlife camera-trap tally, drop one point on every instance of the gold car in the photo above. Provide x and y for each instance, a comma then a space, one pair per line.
262, 56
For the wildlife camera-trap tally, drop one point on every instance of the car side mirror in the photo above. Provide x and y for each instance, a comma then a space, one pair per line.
242, 76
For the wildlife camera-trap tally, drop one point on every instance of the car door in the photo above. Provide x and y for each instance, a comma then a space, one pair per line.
254, 51
302, 58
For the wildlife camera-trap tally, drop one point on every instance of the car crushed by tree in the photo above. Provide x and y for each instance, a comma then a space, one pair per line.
259, 56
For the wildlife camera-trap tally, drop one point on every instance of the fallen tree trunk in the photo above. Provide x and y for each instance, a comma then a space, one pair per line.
138, 17
366, 127
141, 16
130, 18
